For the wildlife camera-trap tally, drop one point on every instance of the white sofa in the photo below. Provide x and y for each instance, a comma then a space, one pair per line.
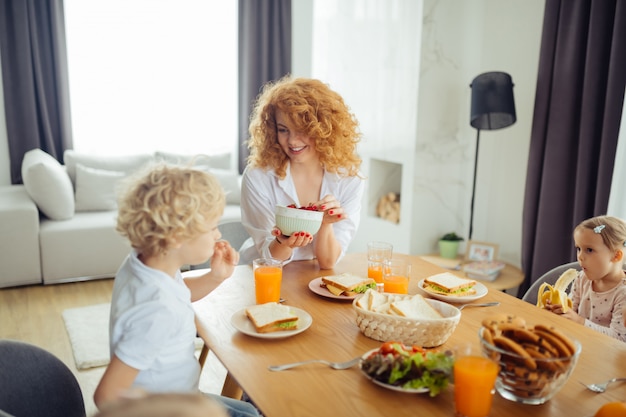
60, 225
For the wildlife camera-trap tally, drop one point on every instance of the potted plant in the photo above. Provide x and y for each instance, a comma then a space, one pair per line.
449, 245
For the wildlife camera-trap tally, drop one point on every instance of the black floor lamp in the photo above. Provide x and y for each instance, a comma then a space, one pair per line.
493, 107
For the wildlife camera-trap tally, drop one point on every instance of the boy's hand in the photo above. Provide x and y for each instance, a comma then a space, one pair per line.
224, 259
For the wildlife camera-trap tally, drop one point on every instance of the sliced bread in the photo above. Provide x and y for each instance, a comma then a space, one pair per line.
415, 307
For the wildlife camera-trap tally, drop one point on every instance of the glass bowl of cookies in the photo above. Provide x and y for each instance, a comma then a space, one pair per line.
535, 361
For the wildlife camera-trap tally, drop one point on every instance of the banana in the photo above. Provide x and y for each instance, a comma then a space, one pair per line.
556, 293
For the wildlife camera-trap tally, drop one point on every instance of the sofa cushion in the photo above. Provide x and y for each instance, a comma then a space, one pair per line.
48, 184
229, 180
126, 164
216, 161
96, 188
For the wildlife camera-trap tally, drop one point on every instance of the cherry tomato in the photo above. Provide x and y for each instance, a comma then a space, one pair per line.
417, 349
387, 347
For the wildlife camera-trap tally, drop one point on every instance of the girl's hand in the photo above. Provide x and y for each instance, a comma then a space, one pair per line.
333, 212
555, 308
569, 314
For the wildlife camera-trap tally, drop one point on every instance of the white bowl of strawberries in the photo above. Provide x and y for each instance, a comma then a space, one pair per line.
290, 219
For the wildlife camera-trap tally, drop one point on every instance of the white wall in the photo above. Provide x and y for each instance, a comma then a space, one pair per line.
459, 40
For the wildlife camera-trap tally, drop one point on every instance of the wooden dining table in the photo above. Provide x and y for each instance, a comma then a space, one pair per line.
318, 390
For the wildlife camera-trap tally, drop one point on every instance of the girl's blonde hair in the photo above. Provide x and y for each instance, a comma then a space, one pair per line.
315, 110
612, 230
167, 202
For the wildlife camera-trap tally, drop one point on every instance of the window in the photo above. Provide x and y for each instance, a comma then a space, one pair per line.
148, 75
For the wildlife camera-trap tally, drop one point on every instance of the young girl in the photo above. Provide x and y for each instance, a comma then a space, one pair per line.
170, 217
302, 151
598, 294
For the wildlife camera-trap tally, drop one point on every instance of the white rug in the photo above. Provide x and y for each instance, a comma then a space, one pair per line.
88, 331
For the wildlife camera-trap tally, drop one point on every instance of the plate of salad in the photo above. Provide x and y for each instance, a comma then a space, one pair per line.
408, 369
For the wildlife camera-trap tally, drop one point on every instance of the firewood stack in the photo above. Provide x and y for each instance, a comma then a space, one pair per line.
388, 207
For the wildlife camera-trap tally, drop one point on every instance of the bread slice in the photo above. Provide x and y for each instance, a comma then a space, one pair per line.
450, 284
349, 284
272, 317
415, 307
372, 300
364, 301
376, 301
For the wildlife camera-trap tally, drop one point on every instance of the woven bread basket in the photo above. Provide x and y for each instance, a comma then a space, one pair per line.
421, 332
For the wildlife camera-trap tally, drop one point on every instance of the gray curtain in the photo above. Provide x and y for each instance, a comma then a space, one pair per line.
264, 55
35, 79
579, 98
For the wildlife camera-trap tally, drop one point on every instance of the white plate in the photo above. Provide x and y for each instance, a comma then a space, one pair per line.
388, 386
481, 291
245, 326
314, 286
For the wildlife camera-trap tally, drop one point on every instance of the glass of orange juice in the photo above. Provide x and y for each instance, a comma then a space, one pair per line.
377, 253
474, 379
396, 273
268, 274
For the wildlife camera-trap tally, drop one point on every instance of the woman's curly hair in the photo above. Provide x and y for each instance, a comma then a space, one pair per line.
315, 110
165, 203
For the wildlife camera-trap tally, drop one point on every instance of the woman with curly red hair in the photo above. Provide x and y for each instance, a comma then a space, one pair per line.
302, 143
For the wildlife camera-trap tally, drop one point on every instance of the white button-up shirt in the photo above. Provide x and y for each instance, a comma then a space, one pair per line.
262, 190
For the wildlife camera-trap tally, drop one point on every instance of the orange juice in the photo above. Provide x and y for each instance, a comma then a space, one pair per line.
375, 271
474, 379
267, 283
396, 284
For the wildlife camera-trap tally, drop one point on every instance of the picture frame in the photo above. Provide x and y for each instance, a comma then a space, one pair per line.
481, 251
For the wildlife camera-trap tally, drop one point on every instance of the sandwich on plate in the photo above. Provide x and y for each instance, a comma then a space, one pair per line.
449, 284
347, 284
272, 317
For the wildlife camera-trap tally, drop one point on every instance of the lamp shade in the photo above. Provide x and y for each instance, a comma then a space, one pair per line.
493, 106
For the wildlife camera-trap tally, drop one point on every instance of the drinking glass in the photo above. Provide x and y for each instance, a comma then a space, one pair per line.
268, 274
474, 380
377, 253
396, 273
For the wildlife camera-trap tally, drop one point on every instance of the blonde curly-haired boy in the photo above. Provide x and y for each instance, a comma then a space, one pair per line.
170, 216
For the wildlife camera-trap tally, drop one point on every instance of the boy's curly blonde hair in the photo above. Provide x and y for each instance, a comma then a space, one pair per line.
315, 110
167, 202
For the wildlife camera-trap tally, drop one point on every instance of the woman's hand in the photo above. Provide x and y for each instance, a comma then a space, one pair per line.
296, 240
333, 212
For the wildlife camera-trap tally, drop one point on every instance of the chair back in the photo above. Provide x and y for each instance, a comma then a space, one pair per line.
549, 277
234, 233
35, 383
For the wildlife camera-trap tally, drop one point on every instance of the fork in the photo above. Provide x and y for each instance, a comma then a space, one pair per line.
491, 304
601, 387
334, 365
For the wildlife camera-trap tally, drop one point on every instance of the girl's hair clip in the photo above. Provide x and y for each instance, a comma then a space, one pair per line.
598, 229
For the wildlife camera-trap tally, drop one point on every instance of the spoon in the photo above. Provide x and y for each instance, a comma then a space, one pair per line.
491, 304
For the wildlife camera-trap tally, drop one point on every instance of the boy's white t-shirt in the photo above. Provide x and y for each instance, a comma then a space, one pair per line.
152, 328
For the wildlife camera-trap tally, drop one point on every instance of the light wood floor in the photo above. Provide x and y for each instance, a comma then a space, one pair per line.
33, 313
